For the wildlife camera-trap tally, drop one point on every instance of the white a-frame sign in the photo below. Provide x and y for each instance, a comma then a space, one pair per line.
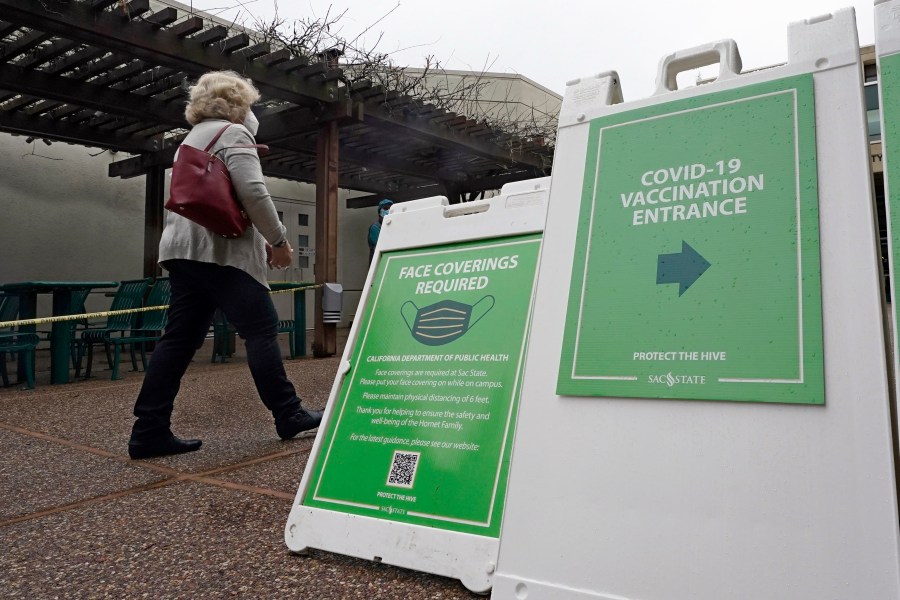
705, 406
411, 462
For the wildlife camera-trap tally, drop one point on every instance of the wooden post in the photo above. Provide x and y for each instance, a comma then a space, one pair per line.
153, 219
325, 336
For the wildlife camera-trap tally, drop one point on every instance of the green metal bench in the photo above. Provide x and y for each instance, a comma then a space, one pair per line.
148, 329
296, 327
129, 295
25, 345
11, 341
288, 326
151, 324
223, 338
223, 331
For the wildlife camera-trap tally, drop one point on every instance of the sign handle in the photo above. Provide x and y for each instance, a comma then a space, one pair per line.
724, 52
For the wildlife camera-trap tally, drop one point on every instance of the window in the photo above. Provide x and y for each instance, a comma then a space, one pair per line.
303, 247
870, 72
303, 220
873, 112
281, 216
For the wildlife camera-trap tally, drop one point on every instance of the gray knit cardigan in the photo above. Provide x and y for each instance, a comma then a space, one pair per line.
182, 238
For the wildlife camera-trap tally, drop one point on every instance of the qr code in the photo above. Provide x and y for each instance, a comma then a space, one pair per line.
403, 469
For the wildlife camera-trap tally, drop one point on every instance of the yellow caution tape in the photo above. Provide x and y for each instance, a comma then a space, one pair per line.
60, 318
294, 289
113, 313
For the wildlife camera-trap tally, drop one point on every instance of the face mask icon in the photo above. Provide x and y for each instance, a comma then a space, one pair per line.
442, 322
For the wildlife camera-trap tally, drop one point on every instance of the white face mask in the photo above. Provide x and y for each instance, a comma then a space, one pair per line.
251, 122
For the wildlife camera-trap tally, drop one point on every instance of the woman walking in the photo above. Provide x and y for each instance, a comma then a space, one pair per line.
208, 271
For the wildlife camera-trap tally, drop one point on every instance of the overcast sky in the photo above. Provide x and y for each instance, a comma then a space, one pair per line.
553, 42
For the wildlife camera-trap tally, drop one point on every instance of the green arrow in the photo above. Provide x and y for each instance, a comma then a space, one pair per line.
683, 268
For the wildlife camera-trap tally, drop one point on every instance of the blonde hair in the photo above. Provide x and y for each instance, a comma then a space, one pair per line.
220, 95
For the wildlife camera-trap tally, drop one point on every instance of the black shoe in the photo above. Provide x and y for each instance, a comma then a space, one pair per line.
303, 420
161, 447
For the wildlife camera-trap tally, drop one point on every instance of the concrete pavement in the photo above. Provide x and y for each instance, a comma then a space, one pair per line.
79, 519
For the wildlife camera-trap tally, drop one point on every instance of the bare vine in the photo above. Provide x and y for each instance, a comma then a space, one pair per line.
475, 95
478, 96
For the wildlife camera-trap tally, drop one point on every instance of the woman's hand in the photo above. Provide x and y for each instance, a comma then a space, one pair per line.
280, 258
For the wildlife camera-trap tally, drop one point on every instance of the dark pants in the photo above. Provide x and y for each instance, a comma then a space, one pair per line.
197, 290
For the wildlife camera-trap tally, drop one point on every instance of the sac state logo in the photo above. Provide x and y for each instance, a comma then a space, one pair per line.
670, 380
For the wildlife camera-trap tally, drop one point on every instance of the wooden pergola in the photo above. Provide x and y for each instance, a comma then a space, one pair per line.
113, 74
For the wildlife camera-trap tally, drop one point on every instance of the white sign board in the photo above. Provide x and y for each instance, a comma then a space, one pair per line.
412, 459
662, 451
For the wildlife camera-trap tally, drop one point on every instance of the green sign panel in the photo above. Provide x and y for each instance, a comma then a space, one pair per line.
696, 271
889, 75
423, 427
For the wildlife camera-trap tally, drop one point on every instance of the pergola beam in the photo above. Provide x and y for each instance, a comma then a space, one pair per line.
468, 186
74, 134
446, 137
369, 160
133, 167
96, 97
116, 32
140, 165
113, 31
